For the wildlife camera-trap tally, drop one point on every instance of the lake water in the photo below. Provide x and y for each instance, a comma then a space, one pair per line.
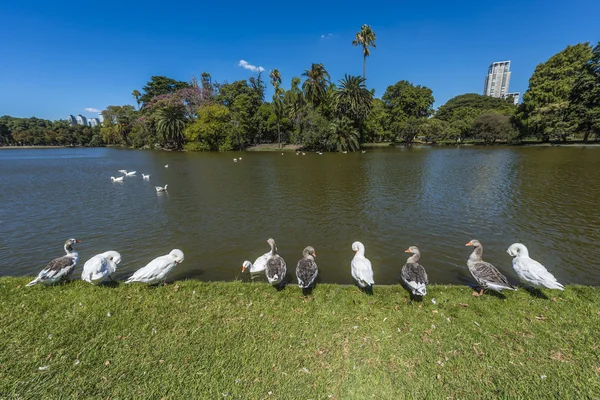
220, 213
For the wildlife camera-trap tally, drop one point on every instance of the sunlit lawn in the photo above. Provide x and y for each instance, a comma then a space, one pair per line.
238, 340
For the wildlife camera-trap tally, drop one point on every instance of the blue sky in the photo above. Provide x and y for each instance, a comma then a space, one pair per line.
59, 59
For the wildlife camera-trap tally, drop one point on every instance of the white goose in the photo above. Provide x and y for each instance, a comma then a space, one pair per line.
259, 265
167, 166
530, 270
132, 173
161, 189
146, 177
157, 269
60, 268
100, 267
235, 160
119, 179
123, 171
362, 271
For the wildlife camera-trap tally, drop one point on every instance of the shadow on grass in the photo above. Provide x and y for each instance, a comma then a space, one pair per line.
535, 292
111, 284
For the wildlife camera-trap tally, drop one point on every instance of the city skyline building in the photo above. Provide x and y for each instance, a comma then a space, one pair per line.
81, 120
498, 79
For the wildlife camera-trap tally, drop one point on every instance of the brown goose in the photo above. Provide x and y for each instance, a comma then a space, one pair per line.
485, 273
276, 268
413, 273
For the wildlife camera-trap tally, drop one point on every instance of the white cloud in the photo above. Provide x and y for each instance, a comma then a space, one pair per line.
91, 109
327, 36
244, 64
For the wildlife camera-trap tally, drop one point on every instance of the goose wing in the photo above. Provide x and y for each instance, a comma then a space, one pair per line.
155, 270
362, 271
415, 277
486, 274
275, 269
306, 272
535, 273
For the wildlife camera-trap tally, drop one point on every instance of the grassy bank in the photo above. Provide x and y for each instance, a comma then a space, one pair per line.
274, 147
237, 340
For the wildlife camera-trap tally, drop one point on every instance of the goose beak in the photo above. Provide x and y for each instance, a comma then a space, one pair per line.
314, 253
469, 244
407, 251
243, 268
77, 241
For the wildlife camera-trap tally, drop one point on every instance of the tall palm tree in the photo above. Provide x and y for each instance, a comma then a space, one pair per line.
315, 85
277, 99
170, 123
136, 93
365, 38
353, 99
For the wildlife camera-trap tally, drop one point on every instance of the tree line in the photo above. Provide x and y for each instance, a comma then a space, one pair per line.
317, 113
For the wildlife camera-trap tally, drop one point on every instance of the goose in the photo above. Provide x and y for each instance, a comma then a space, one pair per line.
307, 270
303, 153
281, 153
100, 267
123, 171
60, 268
146, 177
319, 153
157, 269
363, 151
235, 160
297, 153
240, 158
530, 270
132, 173
167, 166
345, 152
413, 273
361, 268
161, 189
485, 273
119, 179
259, 265
275, 269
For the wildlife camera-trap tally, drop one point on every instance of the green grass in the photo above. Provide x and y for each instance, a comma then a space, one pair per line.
236, 340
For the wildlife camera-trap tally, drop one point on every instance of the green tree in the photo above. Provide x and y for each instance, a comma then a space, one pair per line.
277, 100
315, 84
545, 102
584, 102
434, 130
345, 134
212, 130
136, 94
365, 38
352, 99
376, 127
161, 85
170, 123
491, 127
407, 104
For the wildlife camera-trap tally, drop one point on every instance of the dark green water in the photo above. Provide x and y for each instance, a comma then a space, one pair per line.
220, 213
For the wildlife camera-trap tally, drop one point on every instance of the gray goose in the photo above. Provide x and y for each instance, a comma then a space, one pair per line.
413, 273
60, 268
307, 270
485, 273
276, 268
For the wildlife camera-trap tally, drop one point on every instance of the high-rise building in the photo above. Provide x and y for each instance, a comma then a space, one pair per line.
72, 120
94, 122
515, 95
497, 80
81, 120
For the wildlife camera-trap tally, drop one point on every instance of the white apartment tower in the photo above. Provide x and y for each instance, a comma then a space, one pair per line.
497, 80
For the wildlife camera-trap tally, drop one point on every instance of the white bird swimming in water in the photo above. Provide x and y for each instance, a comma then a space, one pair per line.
60, 268
235, 160
281, 153
161, 189
157, 269
146, 177
276, 269
361, 268
100, 267
531, 271
303, 153
119, 179
123, 171
132, 173
167, 166
240, 158
363, 151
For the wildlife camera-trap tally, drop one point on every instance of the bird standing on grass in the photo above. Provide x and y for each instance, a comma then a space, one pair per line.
59, 269
485, 273
361, 268
413, 273
158, 269
531, 271
307, 270
100, 267
276, 268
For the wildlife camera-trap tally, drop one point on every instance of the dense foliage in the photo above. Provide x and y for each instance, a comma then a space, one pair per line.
318, 113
